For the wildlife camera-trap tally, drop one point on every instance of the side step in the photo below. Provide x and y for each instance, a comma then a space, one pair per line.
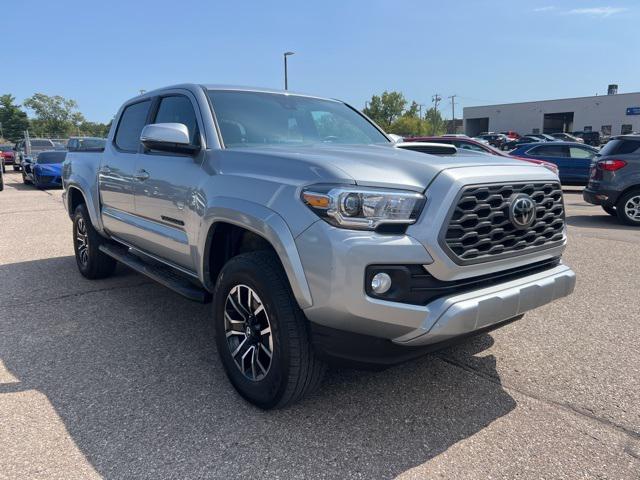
162, 274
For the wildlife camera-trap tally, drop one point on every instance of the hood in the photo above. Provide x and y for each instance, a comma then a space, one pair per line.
378, 165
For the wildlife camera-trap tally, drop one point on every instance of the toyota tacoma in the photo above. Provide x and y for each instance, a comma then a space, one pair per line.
312, 235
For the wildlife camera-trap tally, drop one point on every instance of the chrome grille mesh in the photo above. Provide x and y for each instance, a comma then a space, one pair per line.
479, 228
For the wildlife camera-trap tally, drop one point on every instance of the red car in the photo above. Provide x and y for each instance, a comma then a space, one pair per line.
462, 143
6, 152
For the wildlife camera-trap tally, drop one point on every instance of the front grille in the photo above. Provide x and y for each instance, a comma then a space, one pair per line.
480, 229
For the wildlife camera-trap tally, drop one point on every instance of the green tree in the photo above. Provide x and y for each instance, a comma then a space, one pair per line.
54, 116
93, 129
437, 123
386, 108
14, 120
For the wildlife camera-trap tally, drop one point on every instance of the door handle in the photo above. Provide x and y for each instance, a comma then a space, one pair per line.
141, 175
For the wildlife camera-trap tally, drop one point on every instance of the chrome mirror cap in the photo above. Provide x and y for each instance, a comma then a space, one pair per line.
169, 133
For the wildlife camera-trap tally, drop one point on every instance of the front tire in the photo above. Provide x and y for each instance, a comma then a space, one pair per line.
92, 263
261, 333
628, 208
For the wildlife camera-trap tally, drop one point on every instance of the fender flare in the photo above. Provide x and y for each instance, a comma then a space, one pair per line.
93, 204
262, 221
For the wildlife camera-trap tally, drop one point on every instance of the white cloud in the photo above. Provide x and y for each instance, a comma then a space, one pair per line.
596, 11
544, 9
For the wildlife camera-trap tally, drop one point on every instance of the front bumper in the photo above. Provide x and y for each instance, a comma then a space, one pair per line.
457, 315
335, 262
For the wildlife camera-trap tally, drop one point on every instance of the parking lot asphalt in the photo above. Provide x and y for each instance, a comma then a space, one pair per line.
120, 378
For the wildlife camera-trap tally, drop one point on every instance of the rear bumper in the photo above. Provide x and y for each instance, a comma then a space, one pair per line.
600, 196
459, 315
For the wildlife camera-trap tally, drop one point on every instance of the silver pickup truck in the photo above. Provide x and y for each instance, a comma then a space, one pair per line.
314, 237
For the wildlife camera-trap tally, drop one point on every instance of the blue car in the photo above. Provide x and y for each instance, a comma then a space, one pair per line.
573, 159
45, 170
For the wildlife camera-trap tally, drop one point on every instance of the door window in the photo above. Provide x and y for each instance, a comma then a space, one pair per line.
577, 152
178, 109
131, 124
548, 151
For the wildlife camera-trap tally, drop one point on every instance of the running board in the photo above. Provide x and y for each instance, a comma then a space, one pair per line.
162, 274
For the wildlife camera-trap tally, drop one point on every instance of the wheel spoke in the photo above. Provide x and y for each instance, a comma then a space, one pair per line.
266, 331
234, 332
264, 370
239, 347
265, 350
254, 357
231, 320
244, 356
241, 311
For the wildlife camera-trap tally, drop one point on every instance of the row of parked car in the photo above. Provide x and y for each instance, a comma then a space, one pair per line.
511, 140
40, 159
611, 174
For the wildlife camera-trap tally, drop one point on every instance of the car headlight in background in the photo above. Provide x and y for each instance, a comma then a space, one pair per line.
363, 208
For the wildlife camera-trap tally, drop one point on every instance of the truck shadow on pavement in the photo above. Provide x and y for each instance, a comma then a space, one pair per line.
133, 373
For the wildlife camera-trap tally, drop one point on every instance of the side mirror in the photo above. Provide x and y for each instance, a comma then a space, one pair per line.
168, 137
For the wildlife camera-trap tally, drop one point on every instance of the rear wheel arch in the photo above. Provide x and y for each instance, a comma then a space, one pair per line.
635, 186
75, 198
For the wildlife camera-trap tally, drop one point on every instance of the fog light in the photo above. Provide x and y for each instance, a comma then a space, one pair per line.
381, 283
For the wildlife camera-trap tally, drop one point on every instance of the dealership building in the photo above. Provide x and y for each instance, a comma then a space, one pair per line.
611, 114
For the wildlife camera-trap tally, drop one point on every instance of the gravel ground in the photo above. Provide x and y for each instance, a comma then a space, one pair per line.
120, 378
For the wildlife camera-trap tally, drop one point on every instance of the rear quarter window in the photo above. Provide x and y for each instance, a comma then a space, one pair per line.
619, 146
130, 127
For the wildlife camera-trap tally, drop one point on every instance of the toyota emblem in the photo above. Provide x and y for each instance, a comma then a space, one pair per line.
522, 211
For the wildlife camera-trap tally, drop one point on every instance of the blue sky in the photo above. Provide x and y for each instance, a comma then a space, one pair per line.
101, 53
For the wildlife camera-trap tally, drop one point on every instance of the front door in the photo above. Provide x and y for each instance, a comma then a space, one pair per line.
165, 187
115, 175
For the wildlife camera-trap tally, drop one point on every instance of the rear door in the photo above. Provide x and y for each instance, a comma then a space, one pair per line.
554, 153
166, 184
115, 176
580, 159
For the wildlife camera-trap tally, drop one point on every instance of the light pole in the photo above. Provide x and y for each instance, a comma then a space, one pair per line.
286, 79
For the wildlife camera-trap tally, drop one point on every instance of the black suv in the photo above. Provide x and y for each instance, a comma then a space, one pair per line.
589, 138
614, 181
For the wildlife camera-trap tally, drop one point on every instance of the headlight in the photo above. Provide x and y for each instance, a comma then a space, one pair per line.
363, 208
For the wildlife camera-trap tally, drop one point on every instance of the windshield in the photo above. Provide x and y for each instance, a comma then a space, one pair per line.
6, 148
255, 118
46, 158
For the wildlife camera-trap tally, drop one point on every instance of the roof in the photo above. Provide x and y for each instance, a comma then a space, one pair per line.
239, 88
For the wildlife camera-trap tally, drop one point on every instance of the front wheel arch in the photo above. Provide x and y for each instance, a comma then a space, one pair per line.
264, 223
